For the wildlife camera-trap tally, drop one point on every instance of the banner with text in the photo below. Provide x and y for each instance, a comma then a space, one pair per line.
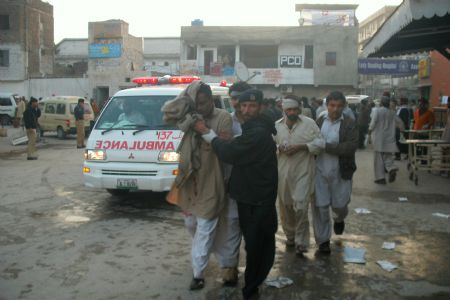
374, 66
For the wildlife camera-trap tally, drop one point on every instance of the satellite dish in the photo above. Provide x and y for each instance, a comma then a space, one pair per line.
241, 71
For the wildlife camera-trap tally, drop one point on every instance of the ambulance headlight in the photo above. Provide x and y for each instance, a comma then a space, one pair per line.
97, 154
168, 156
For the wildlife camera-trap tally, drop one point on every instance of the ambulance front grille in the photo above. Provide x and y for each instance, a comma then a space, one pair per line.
129, 173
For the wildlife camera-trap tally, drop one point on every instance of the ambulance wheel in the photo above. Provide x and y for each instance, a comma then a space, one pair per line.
116, 192
60, 133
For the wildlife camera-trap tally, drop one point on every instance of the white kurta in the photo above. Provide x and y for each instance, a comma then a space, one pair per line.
296, 172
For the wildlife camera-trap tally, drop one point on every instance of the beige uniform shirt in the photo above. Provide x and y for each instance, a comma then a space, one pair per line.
296, 172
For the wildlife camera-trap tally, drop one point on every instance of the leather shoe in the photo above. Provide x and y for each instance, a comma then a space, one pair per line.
380, 181
392, 175
31, 158
339, 227
324, 248
197, 284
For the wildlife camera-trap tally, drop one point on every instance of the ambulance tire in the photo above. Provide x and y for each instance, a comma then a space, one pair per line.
116, 192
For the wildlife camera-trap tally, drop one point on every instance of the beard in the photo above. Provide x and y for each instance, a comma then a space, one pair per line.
292, 117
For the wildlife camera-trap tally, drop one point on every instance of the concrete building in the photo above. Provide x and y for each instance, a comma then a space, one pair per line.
371, 24
71, 57
26, 42
115, 57
308, 60
162, 55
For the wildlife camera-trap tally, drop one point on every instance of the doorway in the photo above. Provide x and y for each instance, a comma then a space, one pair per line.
208, 58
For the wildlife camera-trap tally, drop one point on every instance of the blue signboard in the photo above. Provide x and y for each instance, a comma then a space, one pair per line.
406, 67
105, 50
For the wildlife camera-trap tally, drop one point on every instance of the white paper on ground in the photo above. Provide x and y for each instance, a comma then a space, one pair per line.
402, 199
279, 282
441, 215
388, 245
386, 265
354, 255
362, 211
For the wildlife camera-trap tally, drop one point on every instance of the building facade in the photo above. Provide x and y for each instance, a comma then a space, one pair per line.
308, 60
115, 57
26, 42
371, 24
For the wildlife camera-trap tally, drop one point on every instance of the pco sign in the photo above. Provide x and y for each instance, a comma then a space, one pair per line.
291, 61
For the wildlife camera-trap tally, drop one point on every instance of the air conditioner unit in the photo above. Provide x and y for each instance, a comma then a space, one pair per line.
286, 88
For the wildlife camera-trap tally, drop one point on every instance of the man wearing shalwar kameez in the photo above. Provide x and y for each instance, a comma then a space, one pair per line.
334, 170
298, 139
382, 128
200, 179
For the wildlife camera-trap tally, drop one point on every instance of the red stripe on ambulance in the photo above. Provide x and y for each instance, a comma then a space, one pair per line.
135, 145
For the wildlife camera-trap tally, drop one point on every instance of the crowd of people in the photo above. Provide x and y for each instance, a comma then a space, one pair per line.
235, 167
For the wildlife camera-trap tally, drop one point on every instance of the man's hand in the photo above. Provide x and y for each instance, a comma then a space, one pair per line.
200, 127
225, 135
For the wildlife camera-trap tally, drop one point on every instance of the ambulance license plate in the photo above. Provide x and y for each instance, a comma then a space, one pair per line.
127, 184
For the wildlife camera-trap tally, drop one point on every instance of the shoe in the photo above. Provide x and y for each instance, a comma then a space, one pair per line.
79, 147
300, 250
392, 175
230, 276
197, 284
339, 227
380, 181
31, 158
324, 248
290, 243
253, 296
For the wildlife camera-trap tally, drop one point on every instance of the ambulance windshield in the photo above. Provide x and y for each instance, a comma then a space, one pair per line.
131, 112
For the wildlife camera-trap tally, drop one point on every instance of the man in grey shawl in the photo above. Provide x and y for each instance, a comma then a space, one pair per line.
200, 179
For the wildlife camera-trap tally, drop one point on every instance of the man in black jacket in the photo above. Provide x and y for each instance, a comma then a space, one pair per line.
30, 117
79, 122
253, 183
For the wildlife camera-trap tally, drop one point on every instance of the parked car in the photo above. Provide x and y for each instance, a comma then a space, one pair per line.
57, 114
8, 107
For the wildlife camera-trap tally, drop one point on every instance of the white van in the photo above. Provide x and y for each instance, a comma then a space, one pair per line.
137, 151
8, 107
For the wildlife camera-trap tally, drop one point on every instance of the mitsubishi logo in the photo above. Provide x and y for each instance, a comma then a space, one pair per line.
131, 156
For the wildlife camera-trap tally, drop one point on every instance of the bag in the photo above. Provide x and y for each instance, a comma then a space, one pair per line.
172, 195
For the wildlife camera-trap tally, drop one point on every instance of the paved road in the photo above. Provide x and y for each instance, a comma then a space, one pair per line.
60, 240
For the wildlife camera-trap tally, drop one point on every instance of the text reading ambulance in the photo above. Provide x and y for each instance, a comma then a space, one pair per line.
130, 147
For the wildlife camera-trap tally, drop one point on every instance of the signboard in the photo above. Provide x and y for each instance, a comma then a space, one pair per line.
291, 61
344, 17
424, 68
406, 67
105, 50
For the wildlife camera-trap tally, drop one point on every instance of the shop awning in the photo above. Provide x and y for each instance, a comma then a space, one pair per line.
415, 26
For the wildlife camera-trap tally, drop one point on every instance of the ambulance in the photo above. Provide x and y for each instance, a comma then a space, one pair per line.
130, 147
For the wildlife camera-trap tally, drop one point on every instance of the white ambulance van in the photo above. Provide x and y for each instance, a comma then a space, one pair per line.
130, 147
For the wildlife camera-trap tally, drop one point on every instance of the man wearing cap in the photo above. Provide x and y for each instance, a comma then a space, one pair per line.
298, 139
253, 183
382, 130
228, 233
334, 170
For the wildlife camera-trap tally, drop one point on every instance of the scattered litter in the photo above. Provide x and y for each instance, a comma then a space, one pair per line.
69, 242
402, 199
354, 255
386, 265
388, 245
76, 219
441, 215
362, 211
279, 282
